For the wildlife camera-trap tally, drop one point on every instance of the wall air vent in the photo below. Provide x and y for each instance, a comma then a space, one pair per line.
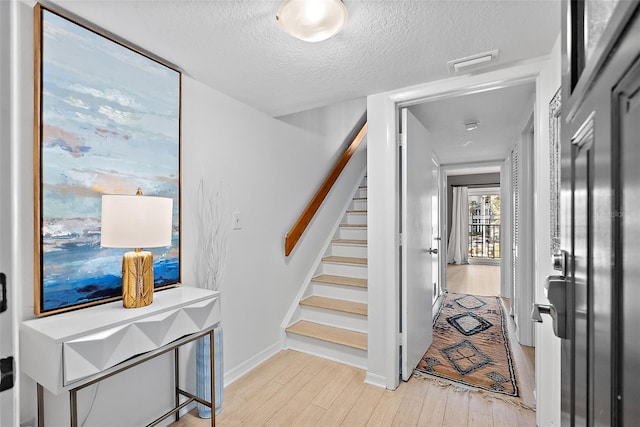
473, 62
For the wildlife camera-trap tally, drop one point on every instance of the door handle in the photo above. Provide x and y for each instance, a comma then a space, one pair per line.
3, 283
432, 251
541, 309
555, 289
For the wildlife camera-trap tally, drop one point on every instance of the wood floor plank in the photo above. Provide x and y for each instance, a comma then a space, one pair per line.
526, 418
271, 406
237, 417
480, 411
409, 411
303, 398
232, 402
387, 407
340, 407
309, 417
334, 304
456, 412
363, 408
248, 384
504, 414
435, 403
294, 368
341, 376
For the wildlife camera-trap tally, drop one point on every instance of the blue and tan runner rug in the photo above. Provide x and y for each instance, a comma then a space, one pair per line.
471, 345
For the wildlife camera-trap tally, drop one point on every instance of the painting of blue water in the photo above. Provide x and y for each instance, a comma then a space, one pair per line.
109, 124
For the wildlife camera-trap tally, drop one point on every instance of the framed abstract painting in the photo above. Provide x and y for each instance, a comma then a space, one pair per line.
107, 121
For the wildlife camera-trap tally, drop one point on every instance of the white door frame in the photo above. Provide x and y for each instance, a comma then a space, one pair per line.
382, 111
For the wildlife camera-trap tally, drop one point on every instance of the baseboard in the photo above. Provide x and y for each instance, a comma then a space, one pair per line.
237, 372
375, 380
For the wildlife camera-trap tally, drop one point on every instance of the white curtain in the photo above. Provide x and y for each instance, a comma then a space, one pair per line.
458, 251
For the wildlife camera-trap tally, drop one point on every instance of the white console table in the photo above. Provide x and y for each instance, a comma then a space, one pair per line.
70, 351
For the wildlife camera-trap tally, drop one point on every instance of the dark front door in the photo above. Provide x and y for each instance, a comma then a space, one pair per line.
600, 212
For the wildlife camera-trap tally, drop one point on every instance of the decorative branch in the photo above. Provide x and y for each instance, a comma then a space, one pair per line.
211, 244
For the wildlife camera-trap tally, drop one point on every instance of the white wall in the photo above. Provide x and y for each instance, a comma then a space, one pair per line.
267, 169
547, 345
332, 122
6, 319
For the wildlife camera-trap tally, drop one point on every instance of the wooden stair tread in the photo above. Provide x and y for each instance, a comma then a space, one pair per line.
357, 211
329, 333
334, 304
354, 225
345, 260
349, 242
341, 280
359, 198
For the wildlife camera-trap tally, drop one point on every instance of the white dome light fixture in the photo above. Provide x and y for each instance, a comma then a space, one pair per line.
312, 20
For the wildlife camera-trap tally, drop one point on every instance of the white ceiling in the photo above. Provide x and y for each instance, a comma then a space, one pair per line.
236, 47
502, 115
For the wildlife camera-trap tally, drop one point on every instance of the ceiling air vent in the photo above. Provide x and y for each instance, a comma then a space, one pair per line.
472, 62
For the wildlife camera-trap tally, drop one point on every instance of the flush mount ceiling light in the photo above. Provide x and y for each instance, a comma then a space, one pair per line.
312, 20
471, 126
472, 62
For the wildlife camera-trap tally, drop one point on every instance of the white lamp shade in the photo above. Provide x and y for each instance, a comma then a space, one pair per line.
136, 221
312, 20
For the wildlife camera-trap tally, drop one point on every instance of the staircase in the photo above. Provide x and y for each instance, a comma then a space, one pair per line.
331, 320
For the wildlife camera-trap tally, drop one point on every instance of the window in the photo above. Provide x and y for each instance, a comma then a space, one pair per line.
484, 223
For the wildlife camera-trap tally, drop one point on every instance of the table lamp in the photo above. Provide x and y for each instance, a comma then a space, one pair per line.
136, 221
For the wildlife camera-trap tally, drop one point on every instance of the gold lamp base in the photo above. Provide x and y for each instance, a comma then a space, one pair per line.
137, 279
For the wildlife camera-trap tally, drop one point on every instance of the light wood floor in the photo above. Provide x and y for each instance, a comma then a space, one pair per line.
475, 279
296, 389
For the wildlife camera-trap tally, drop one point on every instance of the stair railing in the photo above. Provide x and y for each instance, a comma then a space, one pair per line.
294, 234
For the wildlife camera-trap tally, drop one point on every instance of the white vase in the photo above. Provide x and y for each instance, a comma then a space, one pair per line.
203, 372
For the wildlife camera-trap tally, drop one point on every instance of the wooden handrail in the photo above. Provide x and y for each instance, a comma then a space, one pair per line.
292, 237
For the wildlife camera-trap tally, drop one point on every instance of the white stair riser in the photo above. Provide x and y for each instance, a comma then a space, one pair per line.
361, 192
334, 318
350, 293
349, 270
355, 218
340, 249
328, 350
358, 205
353, 233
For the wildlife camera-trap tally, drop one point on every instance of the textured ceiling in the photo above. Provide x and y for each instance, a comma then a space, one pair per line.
237, 48
502, 115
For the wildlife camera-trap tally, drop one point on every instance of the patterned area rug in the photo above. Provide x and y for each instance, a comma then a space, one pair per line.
470, 345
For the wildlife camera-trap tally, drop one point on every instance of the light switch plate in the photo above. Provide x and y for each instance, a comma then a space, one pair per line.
235, 220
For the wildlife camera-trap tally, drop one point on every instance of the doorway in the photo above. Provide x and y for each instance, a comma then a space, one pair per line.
382, 164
